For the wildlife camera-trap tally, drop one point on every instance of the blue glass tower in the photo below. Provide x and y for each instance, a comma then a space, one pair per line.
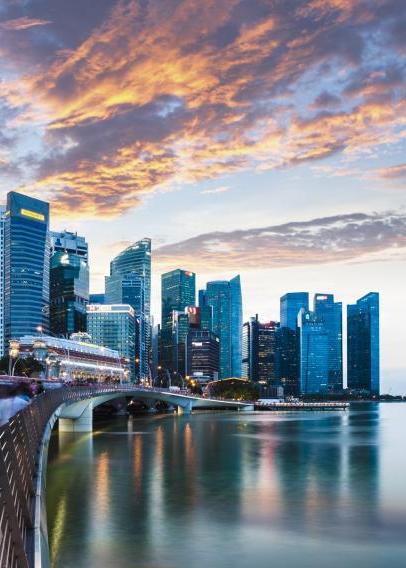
313, 353
26, 266
290, 305
330, 313
363, 344
225, 298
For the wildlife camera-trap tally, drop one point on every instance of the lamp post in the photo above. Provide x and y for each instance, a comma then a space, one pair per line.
13, 353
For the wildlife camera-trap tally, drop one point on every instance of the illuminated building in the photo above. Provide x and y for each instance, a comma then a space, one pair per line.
2, 225
202, 355
69, 283
363, 344
113, 326
259, 352
26, 266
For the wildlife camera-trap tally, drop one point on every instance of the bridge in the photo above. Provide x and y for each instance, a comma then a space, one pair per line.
23, 458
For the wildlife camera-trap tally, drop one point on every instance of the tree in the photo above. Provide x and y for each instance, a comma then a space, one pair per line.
24, 367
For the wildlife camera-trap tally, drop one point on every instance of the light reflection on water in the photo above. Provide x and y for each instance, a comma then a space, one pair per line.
232, 490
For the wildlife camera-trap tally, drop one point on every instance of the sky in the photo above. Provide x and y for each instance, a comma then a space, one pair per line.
259, 137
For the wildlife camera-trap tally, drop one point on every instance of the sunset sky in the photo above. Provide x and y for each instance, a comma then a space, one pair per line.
260, 137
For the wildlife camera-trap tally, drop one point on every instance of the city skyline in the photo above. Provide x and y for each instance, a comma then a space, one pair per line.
271, 146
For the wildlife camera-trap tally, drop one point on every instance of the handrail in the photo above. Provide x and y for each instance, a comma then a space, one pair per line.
20, 441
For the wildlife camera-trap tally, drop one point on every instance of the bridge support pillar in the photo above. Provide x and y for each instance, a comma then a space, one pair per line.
247, 408
187, 409
83, 423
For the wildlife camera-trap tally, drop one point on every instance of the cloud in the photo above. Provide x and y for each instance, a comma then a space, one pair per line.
341, 238
23, 23
143, 96
393, 172
220, 189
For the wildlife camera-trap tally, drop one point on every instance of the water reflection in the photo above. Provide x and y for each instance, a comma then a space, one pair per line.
227, 490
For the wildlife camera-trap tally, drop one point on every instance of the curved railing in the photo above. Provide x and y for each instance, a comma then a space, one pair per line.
20, 442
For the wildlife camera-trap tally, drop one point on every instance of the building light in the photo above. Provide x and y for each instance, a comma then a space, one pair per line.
32, 214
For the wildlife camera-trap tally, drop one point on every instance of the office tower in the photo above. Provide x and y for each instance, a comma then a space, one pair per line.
96, 298
314, 353
26, 266
137, 258
363, 344
290, 305
178, 290
202, 355
287, 360
129, 289
259, 352
2, 225
225, 298
113, 326
330, 313
69, 283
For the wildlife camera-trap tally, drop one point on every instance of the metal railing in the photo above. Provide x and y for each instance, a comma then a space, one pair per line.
20, 442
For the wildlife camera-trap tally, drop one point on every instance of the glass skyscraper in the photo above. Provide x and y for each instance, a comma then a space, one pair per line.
69, 283
130, 289
225, 298
290, 305
363, 344
2, 226
26, 266
330, 313
178, 290
259, 351
314, 353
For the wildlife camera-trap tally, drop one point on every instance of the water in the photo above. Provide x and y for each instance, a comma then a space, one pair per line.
232, 490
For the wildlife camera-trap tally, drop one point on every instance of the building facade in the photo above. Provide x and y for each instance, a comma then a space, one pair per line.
363, 351
330, 312
69, 283
113, 326
26, 266
259, 351
290, 305
2, 226
178, 291
226, 301
314, 353
202, 355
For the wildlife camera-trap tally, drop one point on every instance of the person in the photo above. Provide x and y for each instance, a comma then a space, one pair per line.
19, 397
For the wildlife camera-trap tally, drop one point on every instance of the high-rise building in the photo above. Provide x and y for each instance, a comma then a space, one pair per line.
69, 283
259, 352
290, 305
363, 344
113, 326
202, 355
178, 290
26, 266
130, 289
225, 298
314, 353
97, 298
2, 225
137, 258
330, 312
288, 360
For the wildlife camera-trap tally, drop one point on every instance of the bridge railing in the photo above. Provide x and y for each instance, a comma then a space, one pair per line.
20, 442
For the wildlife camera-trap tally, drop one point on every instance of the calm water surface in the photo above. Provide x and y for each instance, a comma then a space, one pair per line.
232, 490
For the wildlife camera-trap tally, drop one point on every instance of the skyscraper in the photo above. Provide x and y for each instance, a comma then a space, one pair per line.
290, 305
225, 298
330, 313
26, 266
178, 290
129, 289
113, 326
259, 353
202, 355
2, 225
363, 344
314, 353
69, 283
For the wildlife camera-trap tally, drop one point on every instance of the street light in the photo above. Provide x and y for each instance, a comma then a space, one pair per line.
13, 353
